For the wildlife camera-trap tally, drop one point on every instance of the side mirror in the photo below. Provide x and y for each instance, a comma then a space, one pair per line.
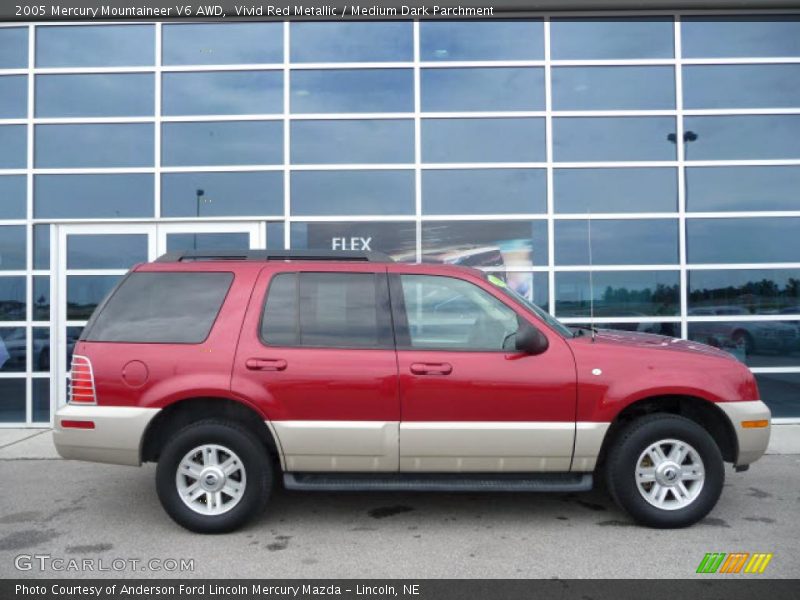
530, 340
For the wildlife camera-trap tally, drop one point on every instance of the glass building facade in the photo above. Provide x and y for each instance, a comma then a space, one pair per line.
661, 153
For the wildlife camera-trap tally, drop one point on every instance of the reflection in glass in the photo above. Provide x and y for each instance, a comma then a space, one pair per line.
275, 235
601, 38
40, 388
207, 241
352, 90
744, 137
13, 192
481, 40
758, 291
13, 97
615, 190
580, 139
665, 328
222, 93
353, 192
12, 400
41, 246
73, 335
647, 242
353, 141
91, 251
13, 146
396, 239
41, 297
12, 298
483, 140
374, 41
13, 349
12, 247
618, 293
484, 191
84, 145
731, 36
613, 88
486, 244
740, 86
781, 392
774, 239
222, 194
85, 292
482, 89
531, 286
755, 343
742, 188
95, 95
222, 143
13, 47
40, 342
217, 44
128, 195
95, 46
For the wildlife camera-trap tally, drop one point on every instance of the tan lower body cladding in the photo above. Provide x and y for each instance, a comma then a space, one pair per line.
443, 447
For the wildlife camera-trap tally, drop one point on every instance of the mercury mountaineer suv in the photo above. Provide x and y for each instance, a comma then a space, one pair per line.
347, 371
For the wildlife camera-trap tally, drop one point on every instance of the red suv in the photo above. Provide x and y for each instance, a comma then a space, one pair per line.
348, 371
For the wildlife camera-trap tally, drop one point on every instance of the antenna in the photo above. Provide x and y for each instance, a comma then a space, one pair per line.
591, 276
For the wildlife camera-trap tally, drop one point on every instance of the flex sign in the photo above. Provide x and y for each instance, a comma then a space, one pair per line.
351, 243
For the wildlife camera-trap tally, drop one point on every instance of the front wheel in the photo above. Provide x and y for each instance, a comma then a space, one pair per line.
666, 471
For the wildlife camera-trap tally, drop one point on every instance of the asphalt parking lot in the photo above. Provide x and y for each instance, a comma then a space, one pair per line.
68, 509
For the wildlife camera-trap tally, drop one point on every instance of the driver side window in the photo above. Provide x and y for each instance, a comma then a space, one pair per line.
444, 313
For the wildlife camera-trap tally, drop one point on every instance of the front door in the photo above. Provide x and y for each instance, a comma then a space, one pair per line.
90, 259
468, 402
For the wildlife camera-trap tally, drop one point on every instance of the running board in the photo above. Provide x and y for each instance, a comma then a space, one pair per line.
439, 482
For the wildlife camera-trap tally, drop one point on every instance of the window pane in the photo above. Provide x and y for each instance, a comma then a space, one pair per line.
12, 299
353, 192
222, 143
41, 400
231, 43
275, 235
754, 291
352, 42
13, 47
221, 93
13, 97
279, 322
481, 40
176, 308
646, 242
12, 400
492, 244
128, 195
357, 141
41, 246
476, 89
397, 239
207, 241
95, 46
41, 297
108, 145
73, 335
742, 188
657, 328
611, 38
484, 191
222, 194
781, 392
615, 190
85, 292
743, 240
12, 247
96, 95
740, 86
752, 35
13, 194
40, 358
744, 137
755, 343
531, 286
613, 88
618, 293
13, 146
91, 251
613, 139
13, 349
482, 140
352, 90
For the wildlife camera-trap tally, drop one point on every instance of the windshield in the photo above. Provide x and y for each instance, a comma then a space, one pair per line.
527, 304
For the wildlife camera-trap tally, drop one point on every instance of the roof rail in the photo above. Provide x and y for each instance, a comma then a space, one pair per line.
266, 255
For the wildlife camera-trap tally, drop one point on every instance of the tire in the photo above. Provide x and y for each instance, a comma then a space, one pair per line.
203, 444
632, 463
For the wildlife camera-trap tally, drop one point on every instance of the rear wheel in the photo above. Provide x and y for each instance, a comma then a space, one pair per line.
213, 476
666, 471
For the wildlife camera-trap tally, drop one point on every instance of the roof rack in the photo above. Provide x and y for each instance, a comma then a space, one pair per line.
266, 255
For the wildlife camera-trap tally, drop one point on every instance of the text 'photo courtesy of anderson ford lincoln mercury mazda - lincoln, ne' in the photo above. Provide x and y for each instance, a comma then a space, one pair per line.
345, 371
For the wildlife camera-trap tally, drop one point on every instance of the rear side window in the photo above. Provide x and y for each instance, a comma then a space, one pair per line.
327, 310
175, 308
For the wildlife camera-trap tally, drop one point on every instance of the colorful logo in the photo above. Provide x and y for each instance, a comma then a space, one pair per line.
735, 562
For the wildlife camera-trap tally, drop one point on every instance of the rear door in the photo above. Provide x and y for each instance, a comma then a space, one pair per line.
317, 354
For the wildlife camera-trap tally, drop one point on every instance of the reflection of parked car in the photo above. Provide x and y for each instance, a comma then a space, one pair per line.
754, 336
487, 256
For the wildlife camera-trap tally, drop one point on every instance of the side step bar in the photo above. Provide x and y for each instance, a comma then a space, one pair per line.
439, 482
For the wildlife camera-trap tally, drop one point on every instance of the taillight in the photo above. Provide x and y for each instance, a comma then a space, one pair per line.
81, 389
